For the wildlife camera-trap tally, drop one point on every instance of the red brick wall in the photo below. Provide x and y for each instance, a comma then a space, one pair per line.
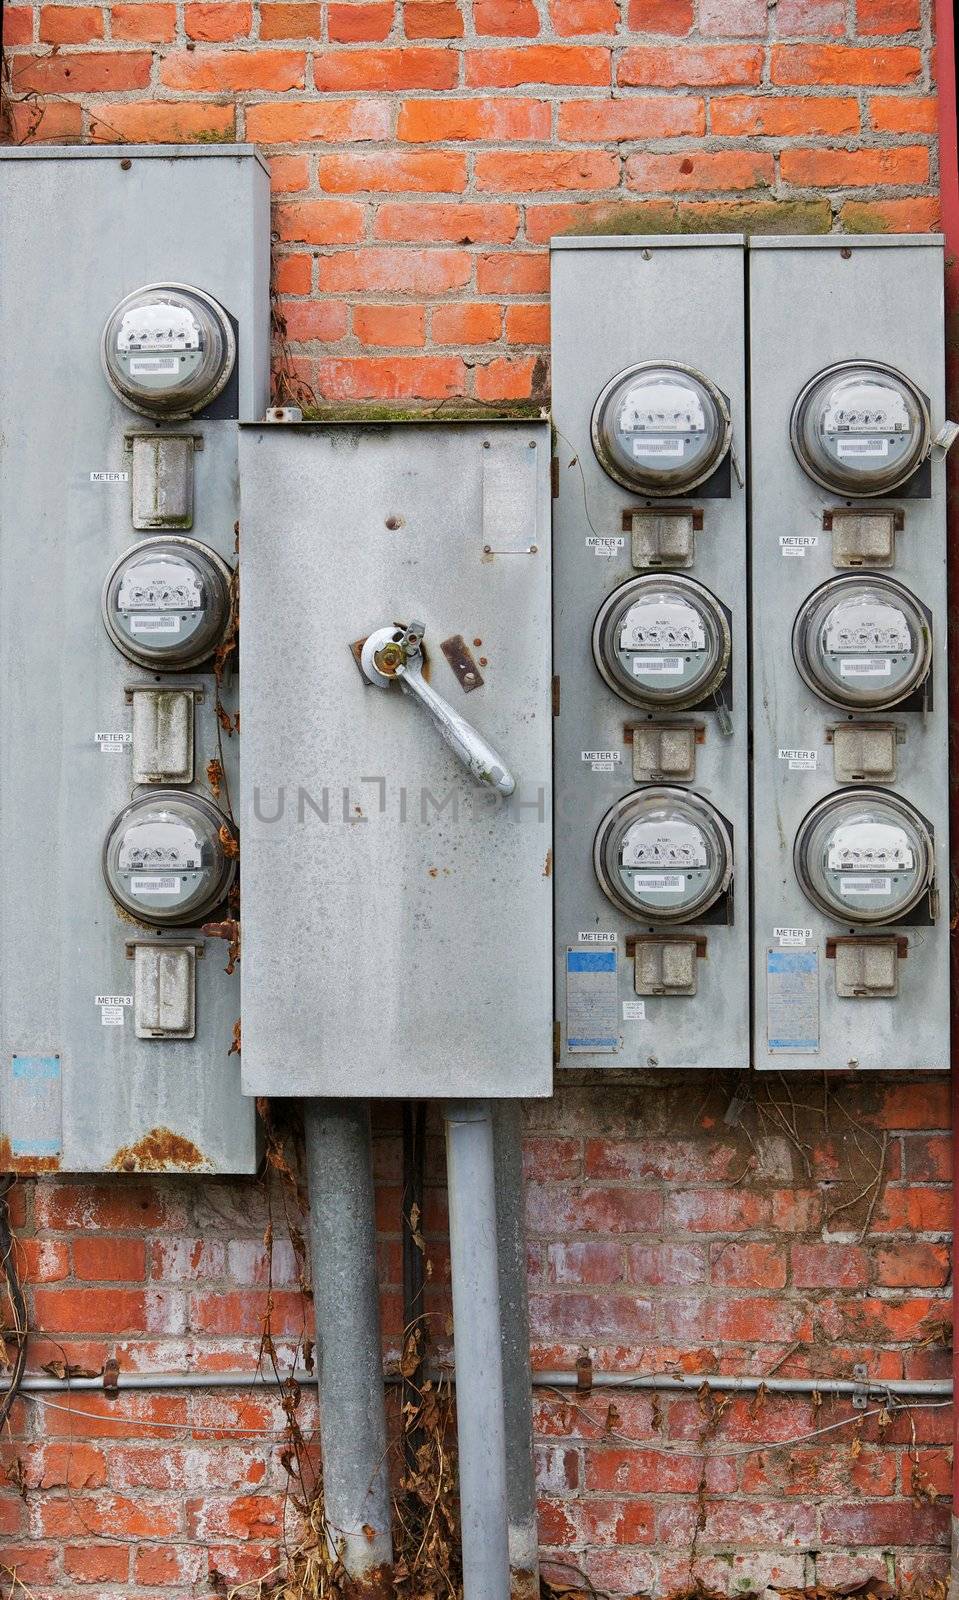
807, 1236
424, 151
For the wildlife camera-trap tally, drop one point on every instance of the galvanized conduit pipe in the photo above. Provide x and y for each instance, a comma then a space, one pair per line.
477, 1338
349, 1354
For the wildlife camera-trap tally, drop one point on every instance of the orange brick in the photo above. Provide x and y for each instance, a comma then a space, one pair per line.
660, 16
436, 172
391, 378
547, 169
510, 272
464, 223
149, 20
292, 274
429, 272
432, 19
70, 1466
893, 216
234, 70
690, 65
904, 113
394, 327
734, 115
518, 19
70, 24
161, 121
856, 169
289, 174
502, 119
111, 1311
43, 1260
17, 26
571, 17
527, 324
853, 64
510, 378
385, 69
319, 221
109, 1260
537, 63
359, 23
83, 72
700, 169
467, 323
325, 320
218, 21
109, 1514
325, 121
288, 19
31, 1564
48, 120
637, 117
887, 16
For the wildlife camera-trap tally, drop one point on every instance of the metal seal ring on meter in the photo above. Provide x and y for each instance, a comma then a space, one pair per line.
662, 641
166, 602
661, 427
864, 856
663, 855
860, 428
168, 350
164, 858
862, 642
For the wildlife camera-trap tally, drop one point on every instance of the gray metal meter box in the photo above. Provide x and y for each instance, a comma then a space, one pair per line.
396, 761
849, 662
650, 712
134, 325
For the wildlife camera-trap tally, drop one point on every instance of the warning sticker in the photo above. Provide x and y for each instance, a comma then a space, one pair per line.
592, 1011
792, 1001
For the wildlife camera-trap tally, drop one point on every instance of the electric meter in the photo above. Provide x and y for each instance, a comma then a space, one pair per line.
662, 641
166, 602
864, 856
168, 350
663, 855
165, 859
862, 642
662, 428
860, 428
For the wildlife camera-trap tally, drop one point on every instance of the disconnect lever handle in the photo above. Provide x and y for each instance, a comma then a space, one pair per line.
394, 654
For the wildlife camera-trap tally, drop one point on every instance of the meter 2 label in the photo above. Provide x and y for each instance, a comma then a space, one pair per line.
112, 743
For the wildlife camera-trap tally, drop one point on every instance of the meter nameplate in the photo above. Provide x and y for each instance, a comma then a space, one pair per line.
592, 1001
865, 667
35, 1108
159, 327
864, 883
658, 447
664, 408
682, 846
663, 666
869, 847
862, 626
792, 1001
862, 447
160, 586
664, 627
665, 883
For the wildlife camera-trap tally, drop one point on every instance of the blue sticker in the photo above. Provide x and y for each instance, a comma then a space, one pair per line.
592, 1009
35, 1106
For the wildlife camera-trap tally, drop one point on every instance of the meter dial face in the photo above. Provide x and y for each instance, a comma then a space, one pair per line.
166, 602
164, 858
663, 855
168, 350
661, 428
862, 642
860, 428
865, 856
662, 641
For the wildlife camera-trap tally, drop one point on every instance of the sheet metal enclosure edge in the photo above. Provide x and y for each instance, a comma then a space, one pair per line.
396, 914
75, 1094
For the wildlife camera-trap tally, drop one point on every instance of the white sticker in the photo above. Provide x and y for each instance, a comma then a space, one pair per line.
113, 1009
109, 477
862, 447
114, 1000
792, 936
598, 938
634, 1011
800, 760
667, 883
602, 760
154, 366
595, 542
865, 885
154, 624
795, 544
671, 666
154, 885
865, 667
658, 447
111, 744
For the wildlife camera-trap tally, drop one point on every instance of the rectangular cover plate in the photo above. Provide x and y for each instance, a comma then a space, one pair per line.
792, 1001
592, 996
35, 1109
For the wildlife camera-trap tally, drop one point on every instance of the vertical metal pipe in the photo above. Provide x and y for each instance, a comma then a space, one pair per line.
349, 1356
517, 1378
478, 1350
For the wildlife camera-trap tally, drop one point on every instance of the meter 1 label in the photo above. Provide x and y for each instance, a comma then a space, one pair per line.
800, 760
109, 477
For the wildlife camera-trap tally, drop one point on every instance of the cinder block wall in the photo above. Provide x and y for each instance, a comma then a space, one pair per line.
423, 152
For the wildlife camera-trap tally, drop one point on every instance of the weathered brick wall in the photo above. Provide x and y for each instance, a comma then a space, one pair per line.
806, 1235
424, 151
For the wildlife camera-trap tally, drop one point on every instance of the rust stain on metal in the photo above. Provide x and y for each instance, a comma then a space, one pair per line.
377, 1584
523, 1584
548, 865
27, 1166
457, 653
160, 1150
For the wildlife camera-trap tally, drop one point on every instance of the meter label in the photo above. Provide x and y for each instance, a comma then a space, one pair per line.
113, 1008
865, 885
865, 667
596, 542
666, 883
154, 366
602, 760
154, 624
592, 1020
862, 447
800, 760
155, 885
792, 936
113, 743
795, 544
634, 1011
658, 447
792, 1001
598, 938
663, 665
109, 477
